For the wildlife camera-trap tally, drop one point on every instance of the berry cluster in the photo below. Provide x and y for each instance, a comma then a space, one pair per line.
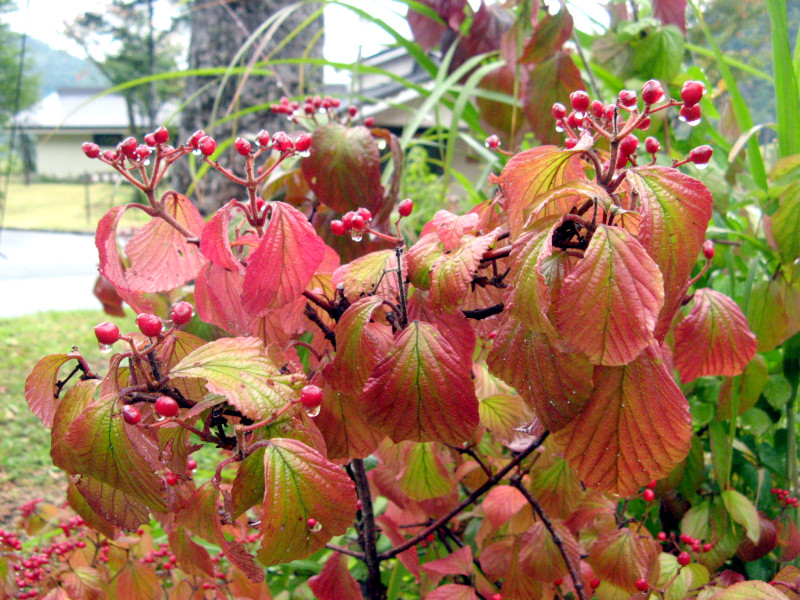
353, 222
784, 499
690, 542
648, 495
314, 105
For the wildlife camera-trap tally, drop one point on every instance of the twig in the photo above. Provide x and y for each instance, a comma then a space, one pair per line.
347, 551
312, 314
484, 313
375, 588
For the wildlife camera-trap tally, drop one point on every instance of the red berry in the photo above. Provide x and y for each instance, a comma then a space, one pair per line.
107, 333
696, 547
692, 92
312, 522
207, 145
303, 142
242, 146
191, 464
282, 142
369, 121
594, 583
684, 559
109, 155
492, 142
496, 597
149, 324
558, 581
644, 124
598, 108
338, 228
347, 220
579, 101
311, 397
405, 207
182, 313
652, 484
651, 145
708, 249
357, 222
142, 152
150, 140
570, 143
131, 414
707, 547
701, 155
686, 538
171, 479
262, 139
195, 138
628, 98
608, 113
166, 406
161, 135
128, 147
574, 121
628, 145
662, 536
690, 114
649, 495
652, 92
90, 149
352, 110
642, 585
365, 214
559, 111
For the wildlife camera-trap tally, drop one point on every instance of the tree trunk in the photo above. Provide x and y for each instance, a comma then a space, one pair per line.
218, 32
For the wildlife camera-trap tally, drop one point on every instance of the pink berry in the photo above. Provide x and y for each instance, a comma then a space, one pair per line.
492, 142
496, 597
707, 547
149, 324
652, 92
166, 406
692, 92
365, 214
594, 583
195, 138
574, 121
303, 142
662, 536
311, 397
262, 139
708, 249
182, 313
644, 124
405, 207
651, 145
652, 484
161, 135
107, 333
701, 155
570, 143
598, 108
128, 147
282, 142
171, 479
150, 140
109, 155
608, 113
628, 145
690, 114
90, 149
131, 414
649, 495
642, 585
242, 146
352, 110
338, 228
191, 464
312, 522
559, 111
369, 121
207, 145
579, 101
684, 559
347, 220
142, 152
357, 223
628, 98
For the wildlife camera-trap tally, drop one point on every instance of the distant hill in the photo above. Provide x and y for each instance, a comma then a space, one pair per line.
59, 69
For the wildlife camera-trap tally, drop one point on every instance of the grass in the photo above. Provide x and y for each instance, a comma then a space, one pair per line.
25, 466
62, 206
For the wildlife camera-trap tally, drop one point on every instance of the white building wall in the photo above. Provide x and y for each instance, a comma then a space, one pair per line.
61, 157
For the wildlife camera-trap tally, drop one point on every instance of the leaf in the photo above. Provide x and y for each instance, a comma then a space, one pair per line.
676, 210
557, 488
40, 387
452, 273
424, 474
502, 414
78, 503
541, 556
334, 581
239, 369
671, 12
428, 31
673, 578
137, 581
451, 228
549, 34
784, 224
192, 557
554, 384
84, 582
347, 434
635, 427
771, 307
104, 451
422, 390
301, 484
713, 339
453, 591
174, 349
421, 257
609, 303
529, 298
374, 273
456, 563
75, 401
550, 81
344, 168
750, 590
501, 503
215, 243
623, 556
658, 52
455, 327
161, 257
742, 511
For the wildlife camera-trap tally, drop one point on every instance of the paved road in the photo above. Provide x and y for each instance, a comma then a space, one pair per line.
46, 271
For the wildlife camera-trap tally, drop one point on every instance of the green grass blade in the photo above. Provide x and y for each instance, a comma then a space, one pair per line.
786, 98
730, 61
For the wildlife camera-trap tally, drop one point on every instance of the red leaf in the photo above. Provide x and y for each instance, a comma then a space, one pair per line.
215, 243
501, 503
391, 529
675, 211
137, 581
453, 591
192, 557
609, 303
112, 505
713, 339
453, 272
671, 12
635, 427
161, 257
334, 581
218, 297
550, 81
427, 32
542, 558
105, 292
347, 434
422, 390
279, 270
623, 556
555, 385
548, 36
451, 228
78, 503
40, 387
344, 168
457, 563
455, 327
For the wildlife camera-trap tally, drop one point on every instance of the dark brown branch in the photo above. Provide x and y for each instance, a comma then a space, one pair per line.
484, 313
495, 254
319, 301
473, 497
574, 570
347, 551
369, 536
314, 317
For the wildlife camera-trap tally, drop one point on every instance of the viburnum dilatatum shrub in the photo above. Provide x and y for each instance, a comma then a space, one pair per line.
499, 383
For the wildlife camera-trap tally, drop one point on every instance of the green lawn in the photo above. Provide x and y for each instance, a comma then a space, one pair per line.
25, 466
63, 206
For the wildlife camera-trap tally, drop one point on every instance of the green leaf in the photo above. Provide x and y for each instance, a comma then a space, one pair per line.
301, 484
422, 390
424, 474
721, 451
502, 414
557, 488
777, 391
675, 579
742, 511
657, 53
609, 303
783, 224
75, 401
239, 369
750, 590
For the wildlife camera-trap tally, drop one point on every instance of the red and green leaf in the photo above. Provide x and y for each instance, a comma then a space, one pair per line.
550, 81
71, 406
623, 556
334, 581
424, 474
192, 557
750, 590
453, 272
368, 275
609, 303
635, 427
301, 484
347, 434
279, 269
542, 557
451, 228
713, 339
501, 503
549, 34
453, 591
215, 243
502, 414
557, 488
137, 581
422, 390
456, 563
41, 390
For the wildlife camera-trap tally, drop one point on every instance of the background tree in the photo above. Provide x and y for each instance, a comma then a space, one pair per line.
219, 31
10, 47
140, 49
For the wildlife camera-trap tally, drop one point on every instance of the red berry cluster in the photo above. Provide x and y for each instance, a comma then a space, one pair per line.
311, 105
353, 222
131, 149
8, 538
29, 507
279, 141
784, 499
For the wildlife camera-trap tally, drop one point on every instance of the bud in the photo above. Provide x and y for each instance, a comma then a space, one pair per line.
708, 249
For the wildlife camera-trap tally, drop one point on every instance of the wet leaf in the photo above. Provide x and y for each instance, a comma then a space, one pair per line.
542, 557
623, 556
501, 503
334, 581
40, 387
550, 81
215, 243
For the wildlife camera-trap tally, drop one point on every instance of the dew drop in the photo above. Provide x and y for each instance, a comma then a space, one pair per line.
356, 235
693, 123
313, 412
701, 165
559, 128
580, 115
317, 526
159, 417
146, 163
104, 348
196, 152
381, 144
304, 154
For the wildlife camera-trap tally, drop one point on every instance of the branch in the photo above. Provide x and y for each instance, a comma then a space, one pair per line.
312, 314
467, 501
484, 313
347, 551
375, 588
574, 570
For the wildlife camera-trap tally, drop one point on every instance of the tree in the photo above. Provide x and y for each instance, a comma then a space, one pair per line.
219, 30
140, 49
10, 48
